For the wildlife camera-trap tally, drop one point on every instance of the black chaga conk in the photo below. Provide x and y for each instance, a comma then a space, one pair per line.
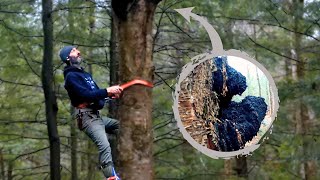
227, 81
239, 121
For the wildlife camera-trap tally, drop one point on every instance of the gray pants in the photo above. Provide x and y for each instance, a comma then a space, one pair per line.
96, 128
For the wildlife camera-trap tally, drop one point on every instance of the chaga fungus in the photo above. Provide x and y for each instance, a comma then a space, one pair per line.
209, 115
239, 121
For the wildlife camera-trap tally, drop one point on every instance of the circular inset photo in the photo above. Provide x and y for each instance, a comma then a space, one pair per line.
226, 103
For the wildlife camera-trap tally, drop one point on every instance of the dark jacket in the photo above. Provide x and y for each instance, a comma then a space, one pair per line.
82, 89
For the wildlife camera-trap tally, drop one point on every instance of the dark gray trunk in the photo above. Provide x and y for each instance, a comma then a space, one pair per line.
91, 160
10, 171
114, 79
241, 167
74, 147
2, 166
114, 64
48, 89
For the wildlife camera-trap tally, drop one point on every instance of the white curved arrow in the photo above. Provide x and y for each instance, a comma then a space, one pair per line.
214, 36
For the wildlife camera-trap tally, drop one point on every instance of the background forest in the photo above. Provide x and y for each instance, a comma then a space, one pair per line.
283, 35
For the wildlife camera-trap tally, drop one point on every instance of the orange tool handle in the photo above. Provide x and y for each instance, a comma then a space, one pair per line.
136, 81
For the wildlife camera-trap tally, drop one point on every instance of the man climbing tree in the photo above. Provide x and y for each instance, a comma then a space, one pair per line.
88, 99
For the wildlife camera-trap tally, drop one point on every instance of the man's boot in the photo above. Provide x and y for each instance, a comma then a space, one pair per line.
109, 171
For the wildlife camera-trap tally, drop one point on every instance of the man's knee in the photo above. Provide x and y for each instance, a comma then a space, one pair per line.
111, 125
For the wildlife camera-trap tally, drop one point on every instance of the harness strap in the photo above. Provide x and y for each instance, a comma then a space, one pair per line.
86, 110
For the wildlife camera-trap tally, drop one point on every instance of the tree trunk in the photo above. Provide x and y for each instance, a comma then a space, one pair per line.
73, 131
227, 168
134, 22
241, 167
10, 170
114, 79
48, 89
308, 168
2, 166
91, 159
114, 63
74, 147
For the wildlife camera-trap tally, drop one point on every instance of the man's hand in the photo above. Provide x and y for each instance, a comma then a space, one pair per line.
114, 91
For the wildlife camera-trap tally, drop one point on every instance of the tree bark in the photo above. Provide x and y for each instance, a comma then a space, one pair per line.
227, 168
308, 168
2, 166
73, 131
48, 89
74, 147
91, 160
10, 170
114, 63
134, 22
114, 80
241, 167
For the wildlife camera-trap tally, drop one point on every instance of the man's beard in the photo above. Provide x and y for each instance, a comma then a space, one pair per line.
76, 60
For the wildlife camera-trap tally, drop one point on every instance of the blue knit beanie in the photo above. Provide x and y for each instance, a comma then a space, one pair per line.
64, 53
